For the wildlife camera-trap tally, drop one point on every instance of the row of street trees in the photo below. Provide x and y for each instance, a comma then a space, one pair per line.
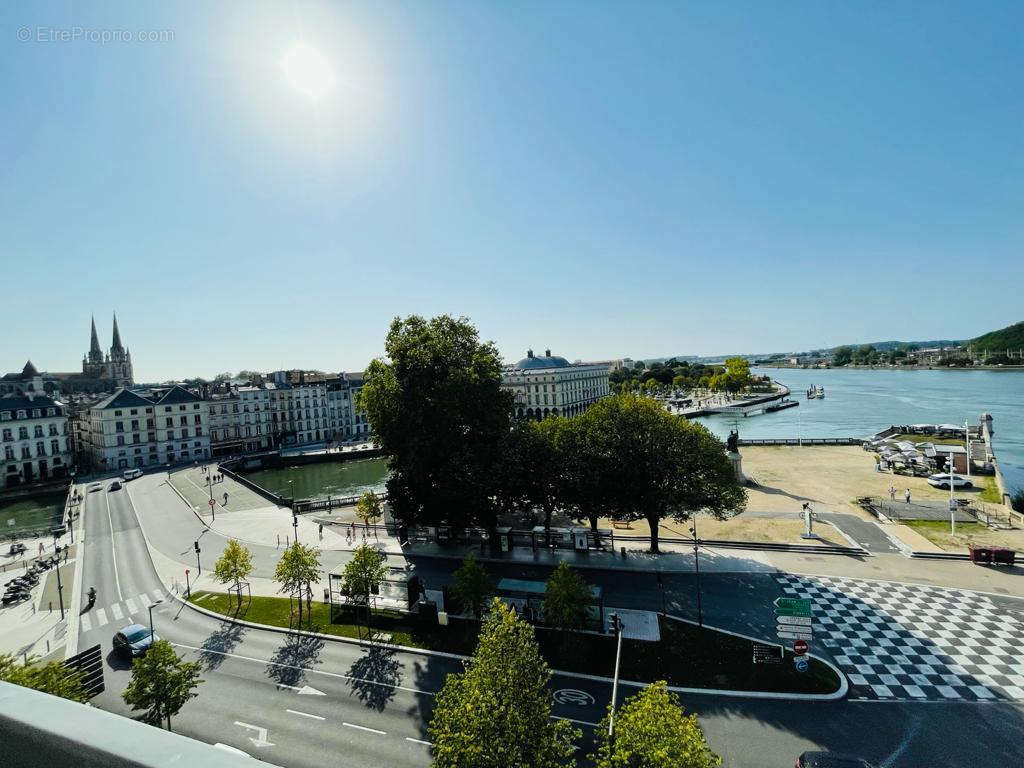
438, 410
497, 712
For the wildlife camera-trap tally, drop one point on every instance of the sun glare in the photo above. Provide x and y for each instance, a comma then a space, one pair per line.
308, 71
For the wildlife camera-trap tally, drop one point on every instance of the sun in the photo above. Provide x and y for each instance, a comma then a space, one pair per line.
308, 71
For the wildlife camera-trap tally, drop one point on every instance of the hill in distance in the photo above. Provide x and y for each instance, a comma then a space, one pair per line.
1011, 337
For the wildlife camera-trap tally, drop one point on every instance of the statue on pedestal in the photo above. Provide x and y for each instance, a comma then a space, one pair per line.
732, 443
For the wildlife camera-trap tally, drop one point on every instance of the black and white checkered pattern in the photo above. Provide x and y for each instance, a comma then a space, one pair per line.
913, 641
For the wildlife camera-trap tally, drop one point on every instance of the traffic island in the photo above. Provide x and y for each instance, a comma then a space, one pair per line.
687, 656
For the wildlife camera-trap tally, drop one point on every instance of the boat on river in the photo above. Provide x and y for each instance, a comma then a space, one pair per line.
816, 392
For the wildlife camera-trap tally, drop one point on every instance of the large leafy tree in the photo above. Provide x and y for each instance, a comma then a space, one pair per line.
472, 586
655, 466
298, 567
368, 509
653, 731
532, 471
53, 677
438, 410
566, 599
363, 574
161, 683
497, 712
234, 565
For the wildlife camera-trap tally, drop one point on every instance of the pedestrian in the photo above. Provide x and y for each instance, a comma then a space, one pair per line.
321, 531
892, 493
41, 548
279, 541
225, 498
906, 495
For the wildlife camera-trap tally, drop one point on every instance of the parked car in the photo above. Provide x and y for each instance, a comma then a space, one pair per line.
943, 479
830, 760
134, 640
116, 485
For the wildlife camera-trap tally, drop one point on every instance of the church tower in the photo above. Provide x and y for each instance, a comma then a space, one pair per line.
115, 366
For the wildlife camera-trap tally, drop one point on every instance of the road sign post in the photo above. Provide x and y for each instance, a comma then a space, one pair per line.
793, 619
800, 647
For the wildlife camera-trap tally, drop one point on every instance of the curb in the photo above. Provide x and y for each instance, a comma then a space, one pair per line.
71, 643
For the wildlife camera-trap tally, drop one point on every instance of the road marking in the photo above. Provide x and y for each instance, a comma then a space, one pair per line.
307, 690
158, 594
101, 617
131, 606
113, 553
573, 720
116, 610
84, 622
261, 734
419, 741
305, 714
306, 669
146, 602
364, 728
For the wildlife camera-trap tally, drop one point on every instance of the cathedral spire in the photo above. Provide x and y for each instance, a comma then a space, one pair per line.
95, 353
116, 345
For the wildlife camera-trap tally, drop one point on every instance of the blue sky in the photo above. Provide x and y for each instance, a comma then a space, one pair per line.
604, 179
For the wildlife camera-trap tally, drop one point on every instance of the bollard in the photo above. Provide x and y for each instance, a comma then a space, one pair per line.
623, 553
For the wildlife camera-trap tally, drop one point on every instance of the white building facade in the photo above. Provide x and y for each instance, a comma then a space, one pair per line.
33, 439
147, 428
552, 386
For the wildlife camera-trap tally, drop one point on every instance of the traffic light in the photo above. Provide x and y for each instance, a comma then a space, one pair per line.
196, 545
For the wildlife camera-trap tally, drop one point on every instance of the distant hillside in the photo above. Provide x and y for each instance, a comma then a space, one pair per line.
1011, 337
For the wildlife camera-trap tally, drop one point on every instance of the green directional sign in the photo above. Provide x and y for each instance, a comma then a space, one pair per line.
792, 606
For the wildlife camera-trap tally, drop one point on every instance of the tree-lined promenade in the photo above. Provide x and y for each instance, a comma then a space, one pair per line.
457, 457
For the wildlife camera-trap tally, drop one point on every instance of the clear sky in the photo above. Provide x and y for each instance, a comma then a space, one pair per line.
605, 179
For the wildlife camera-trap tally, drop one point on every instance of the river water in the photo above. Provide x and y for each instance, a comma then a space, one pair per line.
328, 478
860, 402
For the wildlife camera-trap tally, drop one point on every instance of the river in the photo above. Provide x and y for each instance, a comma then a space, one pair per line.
860, 402
323, 479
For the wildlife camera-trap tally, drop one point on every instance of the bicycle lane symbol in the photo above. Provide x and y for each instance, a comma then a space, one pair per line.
573, 696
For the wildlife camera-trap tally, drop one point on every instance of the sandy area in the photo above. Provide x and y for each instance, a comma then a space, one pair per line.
740, 528
831, 478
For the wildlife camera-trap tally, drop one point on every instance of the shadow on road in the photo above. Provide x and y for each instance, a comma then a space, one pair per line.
221, 642
287, 665
374, 677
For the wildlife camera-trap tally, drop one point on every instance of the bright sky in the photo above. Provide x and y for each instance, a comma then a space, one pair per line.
270, 183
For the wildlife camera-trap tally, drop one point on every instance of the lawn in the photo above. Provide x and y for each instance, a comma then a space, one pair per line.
967, 535
687, 656
990, 491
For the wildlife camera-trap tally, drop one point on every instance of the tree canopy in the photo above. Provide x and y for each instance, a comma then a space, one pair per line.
364, 572
368, 508
653, 731
298, 567
472, 586
234, 565
651, 465
161, 683
437, 408
497, 712
566, 599
52, 677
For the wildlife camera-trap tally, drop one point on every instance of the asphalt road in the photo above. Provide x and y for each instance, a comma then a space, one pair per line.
369, 707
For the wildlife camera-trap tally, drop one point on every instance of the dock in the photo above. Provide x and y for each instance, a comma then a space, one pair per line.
746, 407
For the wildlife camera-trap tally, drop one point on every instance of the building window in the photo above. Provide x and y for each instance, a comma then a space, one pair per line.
120, 439
54, 447
170, 434
117, 413
39, 430
23, 433
170, 422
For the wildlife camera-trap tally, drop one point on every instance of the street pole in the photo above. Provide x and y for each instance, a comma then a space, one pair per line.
213, 505
154, 605
188, 587
967, 435
696, 566
952, 509
295, 523
60, 586
199, 564
617, 625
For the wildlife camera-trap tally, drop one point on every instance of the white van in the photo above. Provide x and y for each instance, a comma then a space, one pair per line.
131, 474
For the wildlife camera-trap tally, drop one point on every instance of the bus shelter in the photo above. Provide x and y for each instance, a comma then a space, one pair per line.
527, 597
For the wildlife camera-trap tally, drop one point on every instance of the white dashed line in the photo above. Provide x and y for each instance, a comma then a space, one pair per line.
305, 714
418, 741
364, 728
84, 623
101, 617
116, 610
131, 606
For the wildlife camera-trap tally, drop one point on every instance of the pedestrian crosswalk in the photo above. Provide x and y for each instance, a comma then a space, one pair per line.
136, 604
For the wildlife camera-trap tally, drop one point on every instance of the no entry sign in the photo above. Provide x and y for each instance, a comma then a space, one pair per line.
800, 647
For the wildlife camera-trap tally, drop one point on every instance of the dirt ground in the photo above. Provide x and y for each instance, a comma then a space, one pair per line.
831, 478
739, 528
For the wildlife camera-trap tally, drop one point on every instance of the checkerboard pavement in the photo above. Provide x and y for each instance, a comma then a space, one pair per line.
912, 641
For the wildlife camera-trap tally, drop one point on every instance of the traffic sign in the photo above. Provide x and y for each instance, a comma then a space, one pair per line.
804, 621
801, 663
800, 647
795, 635
793, 606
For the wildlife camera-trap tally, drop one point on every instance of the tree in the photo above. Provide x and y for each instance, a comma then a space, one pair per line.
53, 677
653, 731
363, 574
497, 712
566, 599
651, 465
298, 567
161, 683
368, 509
842, 355
233, 566
438, 410
472, 587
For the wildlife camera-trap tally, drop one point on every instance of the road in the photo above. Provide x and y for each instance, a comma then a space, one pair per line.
369, 706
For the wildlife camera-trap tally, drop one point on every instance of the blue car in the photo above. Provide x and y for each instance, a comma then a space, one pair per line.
134, 640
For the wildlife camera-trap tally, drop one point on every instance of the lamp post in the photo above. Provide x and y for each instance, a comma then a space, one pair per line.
188, 587
213, 505
616, 623
967, 436
295, 523
199, 564
952, 505
696, 565
154, 605
60, 585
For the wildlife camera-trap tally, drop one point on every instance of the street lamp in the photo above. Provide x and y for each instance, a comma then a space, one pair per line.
696, 565
213, 505
60, 585
616, 623
295, 523
154, 605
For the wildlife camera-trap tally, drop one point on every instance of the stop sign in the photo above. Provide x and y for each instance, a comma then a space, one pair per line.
800, 647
